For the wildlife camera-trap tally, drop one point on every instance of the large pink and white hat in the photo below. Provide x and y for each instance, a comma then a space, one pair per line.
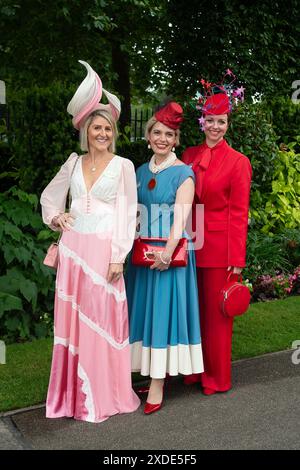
87, 99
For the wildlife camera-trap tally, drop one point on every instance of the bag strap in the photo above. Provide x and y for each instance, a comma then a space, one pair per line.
69, 196
69, 191
60, 235
238, 279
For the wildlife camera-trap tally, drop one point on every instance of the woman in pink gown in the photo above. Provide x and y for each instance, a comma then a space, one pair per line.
91, 374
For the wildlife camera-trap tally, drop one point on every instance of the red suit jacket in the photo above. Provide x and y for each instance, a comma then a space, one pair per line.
223, 179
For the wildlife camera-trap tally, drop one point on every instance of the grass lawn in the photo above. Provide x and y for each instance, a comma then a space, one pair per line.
24, 377
267, 327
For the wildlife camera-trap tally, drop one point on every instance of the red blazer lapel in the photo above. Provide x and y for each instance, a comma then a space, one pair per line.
200, 165
218, 155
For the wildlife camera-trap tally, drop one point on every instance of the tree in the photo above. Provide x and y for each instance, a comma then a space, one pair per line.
42, 41
135, 36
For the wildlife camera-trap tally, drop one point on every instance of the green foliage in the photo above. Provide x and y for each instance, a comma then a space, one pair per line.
291, 241
279, 208
252, 134
258, 40
267, 255
273, 264
53, 33
137, 151
26, 285
41, 135
156, 45
4, 149
285, 118
118, 39
42, 41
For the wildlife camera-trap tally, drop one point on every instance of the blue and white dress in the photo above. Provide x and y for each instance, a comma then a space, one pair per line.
164, 325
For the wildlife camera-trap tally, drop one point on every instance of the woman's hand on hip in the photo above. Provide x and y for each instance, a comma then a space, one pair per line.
63, 221
115, 272
235, 269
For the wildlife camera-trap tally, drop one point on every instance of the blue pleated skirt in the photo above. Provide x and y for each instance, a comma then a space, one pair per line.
164, 324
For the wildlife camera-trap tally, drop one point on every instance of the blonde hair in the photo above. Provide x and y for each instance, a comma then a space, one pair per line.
84, 145
151, 123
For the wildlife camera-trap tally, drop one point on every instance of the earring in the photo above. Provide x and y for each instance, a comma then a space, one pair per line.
173, 149
149, 146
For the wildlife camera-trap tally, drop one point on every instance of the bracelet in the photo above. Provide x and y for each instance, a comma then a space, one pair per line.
164, 262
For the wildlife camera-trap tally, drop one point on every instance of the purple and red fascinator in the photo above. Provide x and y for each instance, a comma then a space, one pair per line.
218, 98
171, 115
87, 99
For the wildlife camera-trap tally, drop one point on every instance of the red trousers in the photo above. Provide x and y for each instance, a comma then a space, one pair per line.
216, 330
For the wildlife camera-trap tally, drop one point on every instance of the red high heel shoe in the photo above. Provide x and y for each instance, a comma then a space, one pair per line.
208, 391
192, 379
152, 407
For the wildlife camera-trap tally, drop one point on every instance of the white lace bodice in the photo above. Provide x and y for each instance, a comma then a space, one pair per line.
108, 208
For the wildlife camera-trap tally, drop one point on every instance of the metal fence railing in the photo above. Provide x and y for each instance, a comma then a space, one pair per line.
139, 117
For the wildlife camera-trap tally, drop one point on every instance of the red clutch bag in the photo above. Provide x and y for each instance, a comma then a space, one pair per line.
142, 249
235, 296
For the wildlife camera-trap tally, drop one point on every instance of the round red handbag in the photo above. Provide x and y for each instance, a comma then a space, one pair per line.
235, 296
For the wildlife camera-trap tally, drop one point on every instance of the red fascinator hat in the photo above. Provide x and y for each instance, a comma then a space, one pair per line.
218, 98
217, 104
171, 115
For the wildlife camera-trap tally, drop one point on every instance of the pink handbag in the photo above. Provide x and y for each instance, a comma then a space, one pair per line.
235, 296
51, 258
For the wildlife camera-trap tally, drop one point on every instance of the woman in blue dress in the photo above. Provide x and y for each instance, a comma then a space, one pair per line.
162, 299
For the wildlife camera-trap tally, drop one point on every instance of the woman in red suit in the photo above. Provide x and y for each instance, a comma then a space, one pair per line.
223, 178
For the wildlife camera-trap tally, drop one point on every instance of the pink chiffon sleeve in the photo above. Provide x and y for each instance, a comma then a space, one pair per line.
53, 198
125, 214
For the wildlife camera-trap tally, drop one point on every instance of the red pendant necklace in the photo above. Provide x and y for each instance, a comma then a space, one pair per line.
155, 169
152, 183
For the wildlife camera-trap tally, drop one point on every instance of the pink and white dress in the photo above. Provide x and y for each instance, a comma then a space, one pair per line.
91, 372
